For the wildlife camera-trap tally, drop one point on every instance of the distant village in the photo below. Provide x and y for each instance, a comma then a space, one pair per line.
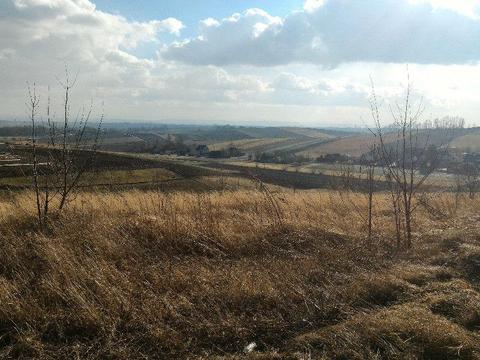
447, 161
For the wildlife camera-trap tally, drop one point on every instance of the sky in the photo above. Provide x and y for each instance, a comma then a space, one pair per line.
264, 62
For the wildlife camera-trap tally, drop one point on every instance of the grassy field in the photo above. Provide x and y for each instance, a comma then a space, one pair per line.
222, 275
111, 168
289, 145
113, 177
276, 140
333, 171
262, 144
353, 145
356, 145
312, 133
115, 170
470, 142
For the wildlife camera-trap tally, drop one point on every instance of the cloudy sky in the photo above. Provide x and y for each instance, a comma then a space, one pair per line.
299, 62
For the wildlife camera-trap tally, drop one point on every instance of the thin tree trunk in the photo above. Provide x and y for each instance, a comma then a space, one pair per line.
34, 102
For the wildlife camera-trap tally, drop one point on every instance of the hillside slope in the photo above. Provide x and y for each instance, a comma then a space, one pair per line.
135, 275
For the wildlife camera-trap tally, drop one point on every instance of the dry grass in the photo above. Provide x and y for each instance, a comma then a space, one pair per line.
261, 144
408, 331
135, 274
353, 145
468, 142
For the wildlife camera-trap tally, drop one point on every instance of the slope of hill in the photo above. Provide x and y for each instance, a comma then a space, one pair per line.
470, 141
356, 145
135, 275
312, 133
276, 140
352, 145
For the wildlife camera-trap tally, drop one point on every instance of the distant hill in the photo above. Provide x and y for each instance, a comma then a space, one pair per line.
356, 145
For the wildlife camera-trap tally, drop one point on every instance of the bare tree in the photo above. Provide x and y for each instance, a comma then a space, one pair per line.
370, 172
60, 158
77, 150
468, 178
32, 105
361, 180
408, 155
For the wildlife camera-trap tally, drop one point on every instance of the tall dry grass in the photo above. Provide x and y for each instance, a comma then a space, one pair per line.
150, 275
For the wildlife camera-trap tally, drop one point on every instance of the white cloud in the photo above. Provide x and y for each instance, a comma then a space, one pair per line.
339, 31
71, 29
209, 22
232, 40
312, 5
469, 8
288, 81
172, 25
37, 38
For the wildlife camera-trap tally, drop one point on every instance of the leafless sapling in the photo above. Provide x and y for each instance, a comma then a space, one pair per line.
405, 149
63, 154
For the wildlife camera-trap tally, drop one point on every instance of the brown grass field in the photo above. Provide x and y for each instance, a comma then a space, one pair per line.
251, 144
149, 275
354, 146
469, 141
